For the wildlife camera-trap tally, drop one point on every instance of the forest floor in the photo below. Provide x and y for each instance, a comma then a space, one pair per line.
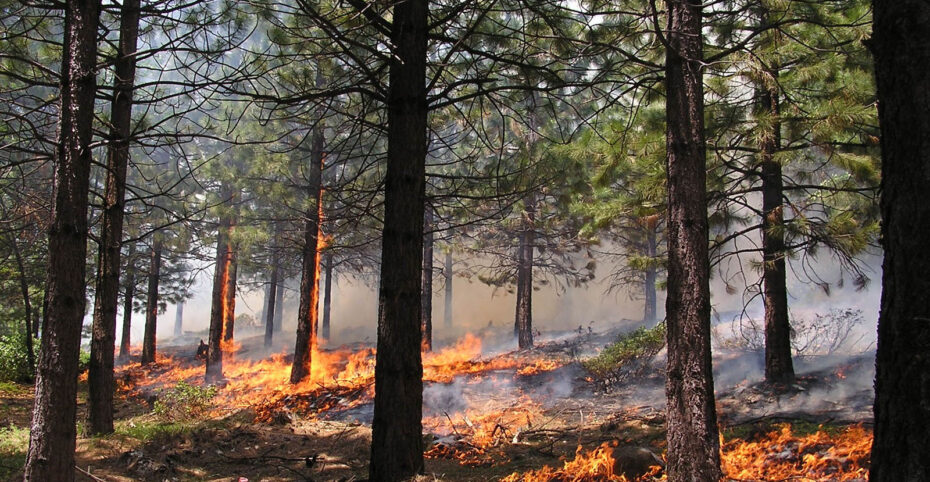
536, 420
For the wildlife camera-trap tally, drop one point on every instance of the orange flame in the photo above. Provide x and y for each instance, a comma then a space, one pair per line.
782, 455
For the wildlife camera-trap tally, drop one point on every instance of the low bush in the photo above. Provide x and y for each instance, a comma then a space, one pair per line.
628, 356
184, 402
14, 362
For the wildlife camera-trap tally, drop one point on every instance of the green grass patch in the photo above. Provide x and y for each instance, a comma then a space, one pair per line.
14, 441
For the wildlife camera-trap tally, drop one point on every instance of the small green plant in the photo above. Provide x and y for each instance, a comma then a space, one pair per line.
14, 363
629, 355
184, 402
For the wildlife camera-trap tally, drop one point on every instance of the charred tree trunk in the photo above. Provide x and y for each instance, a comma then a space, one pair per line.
427, 289
279, 305
100, 382
179, 319
650, 310
693, 443
779, 368
229, 312
447, 303
900, 40
523, 321
397, 429
52, 437
151, 303
271, 296
214, 368
310, 269
128, 295
327, 293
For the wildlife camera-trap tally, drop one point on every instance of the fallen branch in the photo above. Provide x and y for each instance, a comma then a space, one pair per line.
87, 473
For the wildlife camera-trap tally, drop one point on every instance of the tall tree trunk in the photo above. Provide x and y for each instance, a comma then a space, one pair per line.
229, 313
327, 293
427, 284
27, 307
279, 305
179, 319
214, 368
151, 303
397, 430
100, 382
523, 321
52, 437
447, 301
693, 443
900, 40
650, 311
272, 294
128, 296
310, 268
778, 365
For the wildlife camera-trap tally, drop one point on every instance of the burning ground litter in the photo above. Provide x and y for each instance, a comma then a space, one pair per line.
529, 415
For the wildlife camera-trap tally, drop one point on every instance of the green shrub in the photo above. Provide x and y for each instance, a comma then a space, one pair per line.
14, 363
184, 402
629, 355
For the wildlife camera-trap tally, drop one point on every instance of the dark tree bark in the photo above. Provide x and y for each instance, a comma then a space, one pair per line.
128, 295
901, 46
327, 293
100, 382
151, 303
447, 303
229, 313
693, 443
397, 430
271, 296
52, 437
523, 321
650, 310
27, 307
779, 368
179, 319
279, 305
427, 284
308, 313
214, 368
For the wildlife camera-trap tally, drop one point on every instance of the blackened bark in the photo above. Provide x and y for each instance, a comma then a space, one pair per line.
779, 368
151, 303
214, 368
447, 303
52, 437
229, 313
179, 319
397, 429
272, 294
327, 293
308, 313
901, 47
523, 321
427, 285
279, 306
693, 443
649, 288
128, 295
100, 384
